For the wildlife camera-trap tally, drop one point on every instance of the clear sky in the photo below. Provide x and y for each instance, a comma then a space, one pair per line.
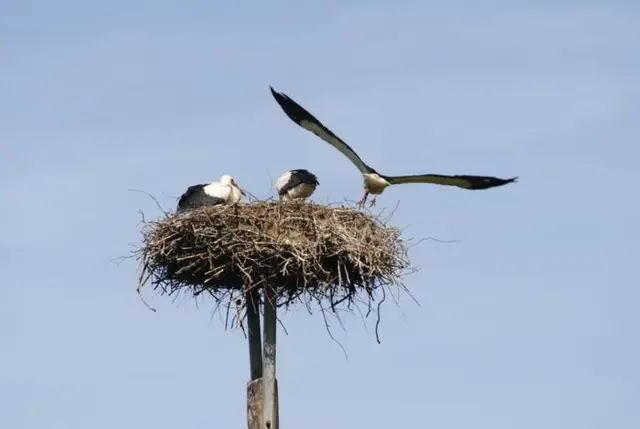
530, 320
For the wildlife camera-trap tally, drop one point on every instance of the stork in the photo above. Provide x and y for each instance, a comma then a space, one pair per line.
296, 184
374, 182
226, 191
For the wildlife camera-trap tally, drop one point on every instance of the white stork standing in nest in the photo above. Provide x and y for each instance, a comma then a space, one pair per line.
226, 191
296, 185
374, 182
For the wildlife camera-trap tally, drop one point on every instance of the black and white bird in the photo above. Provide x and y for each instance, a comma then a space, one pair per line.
296, 185
226, 191
375, 183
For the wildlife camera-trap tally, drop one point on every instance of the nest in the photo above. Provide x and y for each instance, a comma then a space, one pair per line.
300, 249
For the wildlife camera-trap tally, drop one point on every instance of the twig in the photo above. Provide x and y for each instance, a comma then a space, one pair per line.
153, 198
378, 312
141, 282
328, 328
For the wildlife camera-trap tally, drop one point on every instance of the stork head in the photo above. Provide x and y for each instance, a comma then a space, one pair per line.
230, 181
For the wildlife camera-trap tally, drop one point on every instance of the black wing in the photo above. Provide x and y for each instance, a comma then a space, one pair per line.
295, 178
461, 181
195, 197
306, 120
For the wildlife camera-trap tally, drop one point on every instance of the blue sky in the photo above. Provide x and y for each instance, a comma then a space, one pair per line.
529, 321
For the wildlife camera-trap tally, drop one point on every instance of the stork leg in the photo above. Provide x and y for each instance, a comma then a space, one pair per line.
364, 198
373, 201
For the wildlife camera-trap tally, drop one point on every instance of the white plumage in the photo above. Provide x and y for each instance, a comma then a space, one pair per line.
296, 184
226, 191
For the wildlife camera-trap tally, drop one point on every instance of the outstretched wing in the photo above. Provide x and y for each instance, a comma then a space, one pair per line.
306, 120
461, 181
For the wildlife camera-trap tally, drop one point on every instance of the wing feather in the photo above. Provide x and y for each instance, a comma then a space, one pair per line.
293, 178
461, 181
306, 120
194, 198
282, 182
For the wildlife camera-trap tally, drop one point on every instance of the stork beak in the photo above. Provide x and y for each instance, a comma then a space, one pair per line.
239, 188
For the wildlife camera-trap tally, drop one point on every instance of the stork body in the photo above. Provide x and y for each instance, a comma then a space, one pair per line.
226, 191
296, 185
374, 182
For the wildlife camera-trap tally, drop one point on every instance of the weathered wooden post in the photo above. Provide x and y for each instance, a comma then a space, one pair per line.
270, 412
253, 333
255, 394
262, 392
272, 254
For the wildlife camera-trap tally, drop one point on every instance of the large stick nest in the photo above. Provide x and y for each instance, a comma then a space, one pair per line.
328, 254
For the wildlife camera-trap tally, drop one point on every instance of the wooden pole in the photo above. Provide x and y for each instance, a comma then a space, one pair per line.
270, 404
255, 401
253, 326
255, 394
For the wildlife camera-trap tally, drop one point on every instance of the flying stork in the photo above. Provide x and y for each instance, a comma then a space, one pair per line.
226, 191
296, 184
374, 182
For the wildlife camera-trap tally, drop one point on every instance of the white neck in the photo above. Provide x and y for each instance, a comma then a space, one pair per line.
235, 195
